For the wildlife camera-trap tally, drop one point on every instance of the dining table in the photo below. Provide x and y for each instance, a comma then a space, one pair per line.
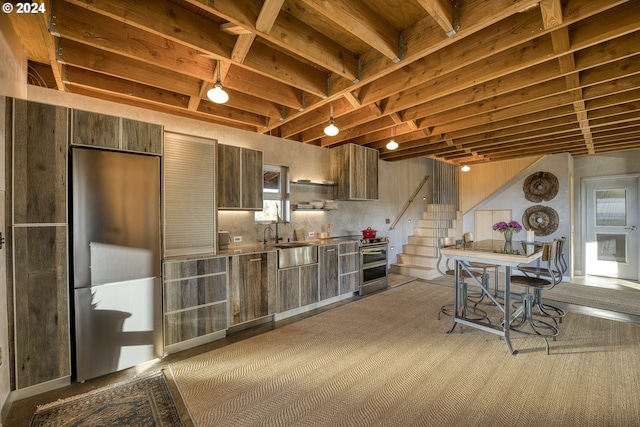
491, 251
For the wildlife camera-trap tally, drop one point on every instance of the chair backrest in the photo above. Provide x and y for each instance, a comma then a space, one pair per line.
550, 257
444, 242
467, 237
561, 263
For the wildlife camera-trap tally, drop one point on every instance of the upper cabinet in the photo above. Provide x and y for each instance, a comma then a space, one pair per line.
239, 184
101, 130
189, 195
40, 163
355, 170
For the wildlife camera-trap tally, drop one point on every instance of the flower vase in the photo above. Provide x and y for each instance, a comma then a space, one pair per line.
508, 237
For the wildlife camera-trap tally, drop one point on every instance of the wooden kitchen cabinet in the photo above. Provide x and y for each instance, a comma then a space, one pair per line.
39, 350
39, 163
41, 304
252, 289
116, 133
348, 267
141, 137
328, 271
355, 170
308, 284
195, 299
297, 287
239, 173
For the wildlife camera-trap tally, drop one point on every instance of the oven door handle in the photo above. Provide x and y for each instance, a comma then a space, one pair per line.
371, 251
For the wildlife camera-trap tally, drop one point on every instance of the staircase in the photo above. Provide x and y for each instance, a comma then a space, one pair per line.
420, 256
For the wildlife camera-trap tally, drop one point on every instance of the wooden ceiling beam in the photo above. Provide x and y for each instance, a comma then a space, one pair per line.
37, 41
287, 33
358, 19
165, 19
268, 15
455, 81
109, 63
112, 36
442, 12
95, 81
551, 11
421, 41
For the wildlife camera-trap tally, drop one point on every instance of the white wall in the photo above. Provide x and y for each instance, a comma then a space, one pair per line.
511, 196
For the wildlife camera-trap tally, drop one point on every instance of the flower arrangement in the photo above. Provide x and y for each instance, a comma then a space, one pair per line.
512, 226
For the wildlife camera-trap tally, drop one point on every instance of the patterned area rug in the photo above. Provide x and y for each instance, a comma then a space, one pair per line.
143, 402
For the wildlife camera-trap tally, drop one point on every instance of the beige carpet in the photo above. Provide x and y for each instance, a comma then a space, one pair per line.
385, 360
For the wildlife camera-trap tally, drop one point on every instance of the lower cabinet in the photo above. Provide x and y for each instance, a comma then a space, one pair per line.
297, 287
252, 291
195, 298
328, 270
348, 267
41, 305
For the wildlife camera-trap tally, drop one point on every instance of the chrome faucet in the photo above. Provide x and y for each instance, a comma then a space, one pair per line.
264, 234
277, 238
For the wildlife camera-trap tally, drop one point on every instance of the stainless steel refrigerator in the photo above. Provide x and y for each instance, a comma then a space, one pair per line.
116, 260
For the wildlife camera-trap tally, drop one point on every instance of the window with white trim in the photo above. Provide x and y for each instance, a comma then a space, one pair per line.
275, 195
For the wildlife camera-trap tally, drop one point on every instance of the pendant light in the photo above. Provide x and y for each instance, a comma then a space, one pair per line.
465, 168
217, 94
331, 129
392, 145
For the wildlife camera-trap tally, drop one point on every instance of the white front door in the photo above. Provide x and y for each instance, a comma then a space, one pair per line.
611, 240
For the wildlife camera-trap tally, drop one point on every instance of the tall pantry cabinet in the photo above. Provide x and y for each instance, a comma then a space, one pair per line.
37, 147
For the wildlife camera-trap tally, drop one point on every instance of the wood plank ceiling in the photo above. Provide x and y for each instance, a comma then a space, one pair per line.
466, 81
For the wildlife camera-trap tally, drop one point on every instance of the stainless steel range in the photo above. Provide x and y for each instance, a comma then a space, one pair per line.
373, 264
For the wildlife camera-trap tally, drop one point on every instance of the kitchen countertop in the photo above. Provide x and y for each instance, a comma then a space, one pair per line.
259, 247
250, 248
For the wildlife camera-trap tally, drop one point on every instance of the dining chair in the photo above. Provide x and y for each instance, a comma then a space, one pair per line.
556, 274
468, 238
546, 278
463, 308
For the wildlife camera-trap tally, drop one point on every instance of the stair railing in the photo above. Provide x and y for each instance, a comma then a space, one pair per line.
406, 206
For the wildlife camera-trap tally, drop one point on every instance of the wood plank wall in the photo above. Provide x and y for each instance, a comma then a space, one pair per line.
485, 179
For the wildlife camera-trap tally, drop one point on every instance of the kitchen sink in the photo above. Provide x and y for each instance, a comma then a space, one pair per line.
292, 245
294, 254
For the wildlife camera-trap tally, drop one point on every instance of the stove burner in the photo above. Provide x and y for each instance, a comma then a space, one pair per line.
374, 240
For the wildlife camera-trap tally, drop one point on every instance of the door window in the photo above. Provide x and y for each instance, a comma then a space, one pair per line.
611, 207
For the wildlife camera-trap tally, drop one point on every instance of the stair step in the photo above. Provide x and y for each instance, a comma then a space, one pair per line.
423, 261
424, 273
441, 207
423, 241
436, 223
440, 215
420, 250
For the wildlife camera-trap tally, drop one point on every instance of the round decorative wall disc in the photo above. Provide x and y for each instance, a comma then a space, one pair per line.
541, 219
540, 186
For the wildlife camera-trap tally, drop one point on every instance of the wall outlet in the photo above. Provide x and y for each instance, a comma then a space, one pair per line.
237, 239
312, 234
